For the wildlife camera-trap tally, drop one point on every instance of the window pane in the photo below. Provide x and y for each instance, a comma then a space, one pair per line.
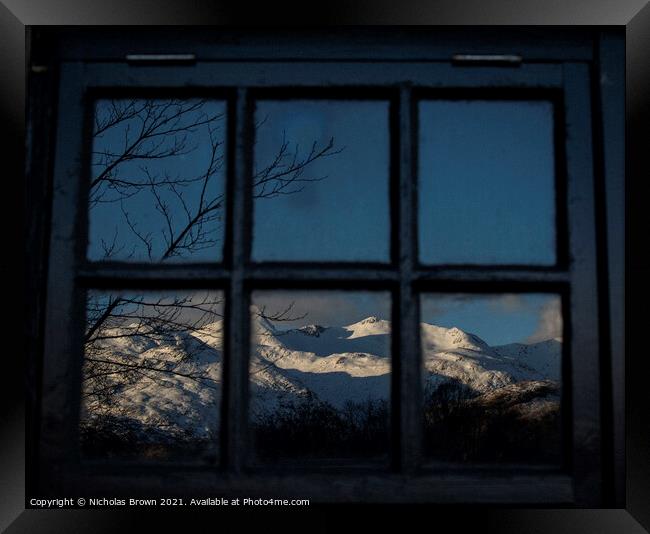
152, 375
320, 376
486, 182
321, 181
157, 181
492, 369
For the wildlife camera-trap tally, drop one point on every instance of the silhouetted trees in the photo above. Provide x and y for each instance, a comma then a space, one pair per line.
509, 424
310, 428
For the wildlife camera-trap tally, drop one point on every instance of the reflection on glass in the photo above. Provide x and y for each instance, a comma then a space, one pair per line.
492, 372
152, 375
157, 180
321, 181
320, 376
486, 182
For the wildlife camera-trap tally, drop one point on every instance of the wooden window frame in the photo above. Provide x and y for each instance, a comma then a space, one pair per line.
402, 82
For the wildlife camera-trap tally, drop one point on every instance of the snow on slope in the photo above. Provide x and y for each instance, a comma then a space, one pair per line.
451, 354
542, 358
174, 400
332, 364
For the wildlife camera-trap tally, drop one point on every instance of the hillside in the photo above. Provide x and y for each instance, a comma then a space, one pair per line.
172, 386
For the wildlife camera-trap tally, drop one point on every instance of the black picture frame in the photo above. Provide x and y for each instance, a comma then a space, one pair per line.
633, 514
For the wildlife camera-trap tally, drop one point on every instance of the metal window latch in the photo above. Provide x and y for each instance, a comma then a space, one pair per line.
511, 60
161, 59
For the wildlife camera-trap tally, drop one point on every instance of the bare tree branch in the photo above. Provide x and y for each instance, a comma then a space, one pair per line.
132, 138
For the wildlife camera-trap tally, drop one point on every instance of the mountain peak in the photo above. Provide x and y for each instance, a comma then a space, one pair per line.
370, 326
314, 330
442, 338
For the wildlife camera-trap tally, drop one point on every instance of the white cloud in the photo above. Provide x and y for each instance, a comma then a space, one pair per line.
508, 302
550, 322
434, 305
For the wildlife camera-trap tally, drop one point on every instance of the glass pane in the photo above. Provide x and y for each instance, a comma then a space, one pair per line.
320, 376
492, 370
157, 181
321, 181
486, 182
152, 375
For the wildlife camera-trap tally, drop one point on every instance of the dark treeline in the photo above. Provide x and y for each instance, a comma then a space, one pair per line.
462, 426
505, 425
310, 428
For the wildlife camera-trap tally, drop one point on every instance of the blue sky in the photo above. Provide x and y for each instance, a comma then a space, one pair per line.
485, 195
345, 215
496, 318
486, 182
107, 220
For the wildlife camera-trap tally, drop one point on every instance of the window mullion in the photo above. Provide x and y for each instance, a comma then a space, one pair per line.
407, 405
63, 346
236, 341
583, 339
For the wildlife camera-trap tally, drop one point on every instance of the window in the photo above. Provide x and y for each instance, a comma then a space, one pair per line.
489, 400
320, 395
487, 182
339, 153
275, 274
157, 162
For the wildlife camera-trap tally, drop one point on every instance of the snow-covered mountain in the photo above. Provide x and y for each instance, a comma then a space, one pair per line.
338, 364
335, 365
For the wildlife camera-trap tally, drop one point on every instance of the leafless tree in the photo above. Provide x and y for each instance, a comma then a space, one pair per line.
139, 147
